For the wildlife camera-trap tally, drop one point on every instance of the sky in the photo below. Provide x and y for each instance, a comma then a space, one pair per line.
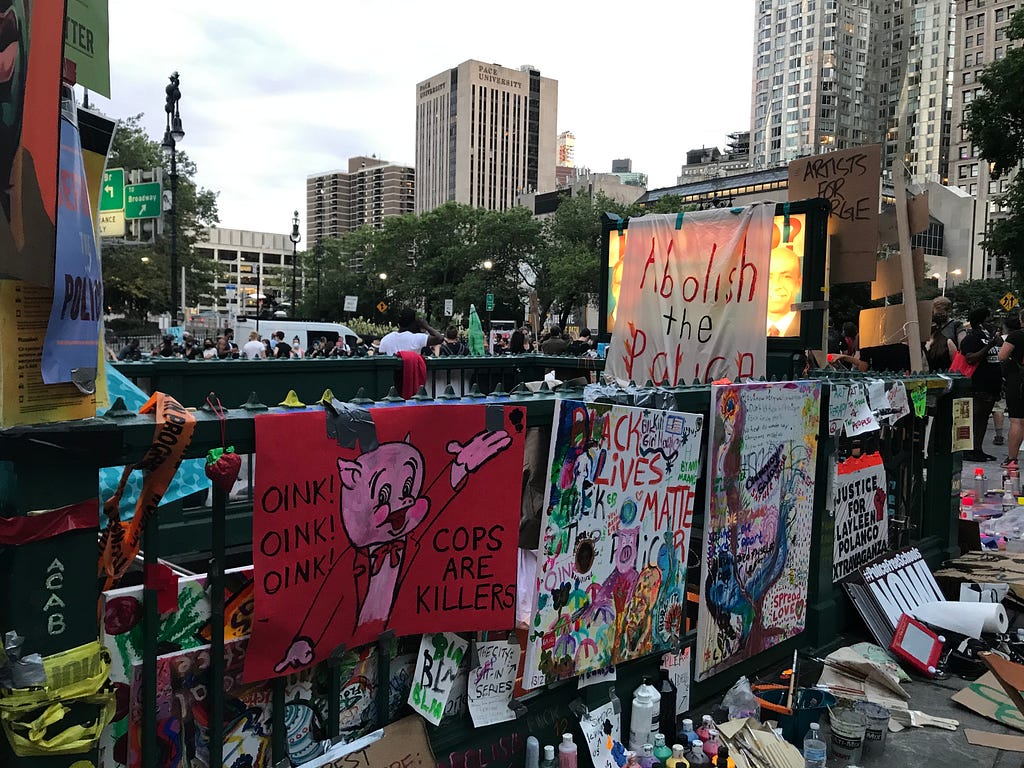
273, 92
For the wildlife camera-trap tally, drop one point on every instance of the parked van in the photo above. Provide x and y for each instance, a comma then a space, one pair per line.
308, 331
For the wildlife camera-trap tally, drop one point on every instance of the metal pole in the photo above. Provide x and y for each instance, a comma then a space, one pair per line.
295, 251
318, 255
259, 290
174, 232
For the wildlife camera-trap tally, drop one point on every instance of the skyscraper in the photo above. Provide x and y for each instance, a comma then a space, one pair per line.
484, 134
338, 202
828, 74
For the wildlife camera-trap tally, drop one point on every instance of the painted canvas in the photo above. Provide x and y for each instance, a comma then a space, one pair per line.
757, 533
615, 532
401, 519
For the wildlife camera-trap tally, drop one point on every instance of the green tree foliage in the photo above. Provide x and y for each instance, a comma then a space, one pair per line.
995, 123
137, 278
978, 293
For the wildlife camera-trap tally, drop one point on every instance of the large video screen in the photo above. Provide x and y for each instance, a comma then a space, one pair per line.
785, 278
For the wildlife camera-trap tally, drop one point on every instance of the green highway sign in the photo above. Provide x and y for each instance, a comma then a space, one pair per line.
112, 192
490, 302
142, 201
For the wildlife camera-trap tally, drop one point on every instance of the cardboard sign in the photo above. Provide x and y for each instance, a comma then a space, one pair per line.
859, 507
963, 424
987, 697
762, 447
388, 532
694, 297
850, 180
404, 744
611, 568
437, 667
889, 274
888, 325
491, 684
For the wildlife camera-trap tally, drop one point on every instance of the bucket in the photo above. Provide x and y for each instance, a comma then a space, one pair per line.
808, 706
848, 728
878, 726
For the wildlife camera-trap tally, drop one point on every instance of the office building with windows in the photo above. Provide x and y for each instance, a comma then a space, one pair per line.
342, 201
980, 39
829, 74
484, 135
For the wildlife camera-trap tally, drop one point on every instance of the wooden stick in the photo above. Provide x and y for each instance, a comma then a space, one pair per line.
792, 684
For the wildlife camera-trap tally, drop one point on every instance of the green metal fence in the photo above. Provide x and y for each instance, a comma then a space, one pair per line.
49, 466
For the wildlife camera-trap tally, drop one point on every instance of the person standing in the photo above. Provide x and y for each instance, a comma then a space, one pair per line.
942, 308
413, 334
1011, 353
253, 348
981, 347
555, 344
939, 350
281, 349
453, 346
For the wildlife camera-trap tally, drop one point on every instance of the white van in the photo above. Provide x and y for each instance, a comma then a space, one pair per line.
308, 331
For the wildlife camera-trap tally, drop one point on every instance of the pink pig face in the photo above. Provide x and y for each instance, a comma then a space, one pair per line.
380, 498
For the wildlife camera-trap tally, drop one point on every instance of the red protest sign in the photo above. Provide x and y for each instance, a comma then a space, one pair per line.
416, 534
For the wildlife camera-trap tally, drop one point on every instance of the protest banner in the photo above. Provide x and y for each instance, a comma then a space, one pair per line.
30, 83
859, 509
963, 424
437, 668
400, 528
851, 180
87, 43
762, 449
611, 569
694, 296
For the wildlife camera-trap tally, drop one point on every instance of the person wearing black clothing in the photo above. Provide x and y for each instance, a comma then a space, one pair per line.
453, 346
282, 350
939, 350
130, 352
981, 347
1012, 356
582, 345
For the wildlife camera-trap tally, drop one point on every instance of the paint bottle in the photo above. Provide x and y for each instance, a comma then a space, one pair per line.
667, 705
647, 758
549, 758
661, 751
1015, 481
722, 759
696, 754
643, 719
1009, 500
687, 734
567, 752
706, 724
532, 753
678, 759
979, 483
711, 743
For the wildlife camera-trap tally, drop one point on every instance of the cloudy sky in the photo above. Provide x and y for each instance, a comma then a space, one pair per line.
272, 92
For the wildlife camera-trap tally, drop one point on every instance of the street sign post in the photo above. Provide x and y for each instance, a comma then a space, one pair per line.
350, 303
490, 302
111, 223
382, 307
1009, 301
142, 201
449, 307
112, 191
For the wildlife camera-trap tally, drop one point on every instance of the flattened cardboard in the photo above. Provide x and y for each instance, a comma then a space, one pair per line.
888, 234
404, 743
889, 275
851, 181
1004, 741
885, 325
986, 697
1009, 674
917, 213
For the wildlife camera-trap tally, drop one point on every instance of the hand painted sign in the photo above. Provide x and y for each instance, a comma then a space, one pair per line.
694, 296
611, 569
757, 535
437, 667
407, 533
861, 519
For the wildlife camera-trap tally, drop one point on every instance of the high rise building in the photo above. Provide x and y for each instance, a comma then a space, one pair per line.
338, 202
980, 40
484, 134
567, 149
828, 74
622, 165
256, 268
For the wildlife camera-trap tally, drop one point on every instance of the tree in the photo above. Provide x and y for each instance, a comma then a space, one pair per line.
995, 123
136, 278
977, 293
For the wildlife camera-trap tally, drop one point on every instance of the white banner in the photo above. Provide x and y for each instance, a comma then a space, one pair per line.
860, 506
694, 296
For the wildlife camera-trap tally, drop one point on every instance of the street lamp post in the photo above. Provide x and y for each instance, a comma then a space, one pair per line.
294, 237
943, 277
173, 133
319, 254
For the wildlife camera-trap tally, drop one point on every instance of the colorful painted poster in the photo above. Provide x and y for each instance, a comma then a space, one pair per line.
437, 667
611, 569
694, 296
859, 507
75, 326
492, 682
757, 533
32, 34
403, 528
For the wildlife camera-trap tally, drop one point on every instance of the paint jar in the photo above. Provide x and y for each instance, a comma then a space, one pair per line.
878, 726
848, 727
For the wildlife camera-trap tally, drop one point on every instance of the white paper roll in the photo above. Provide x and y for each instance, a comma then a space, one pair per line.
969, 619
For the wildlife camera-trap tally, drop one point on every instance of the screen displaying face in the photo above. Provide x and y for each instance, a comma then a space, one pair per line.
785, 276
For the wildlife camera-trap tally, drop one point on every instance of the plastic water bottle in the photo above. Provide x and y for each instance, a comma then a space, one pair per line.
1009, 500
815, 751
